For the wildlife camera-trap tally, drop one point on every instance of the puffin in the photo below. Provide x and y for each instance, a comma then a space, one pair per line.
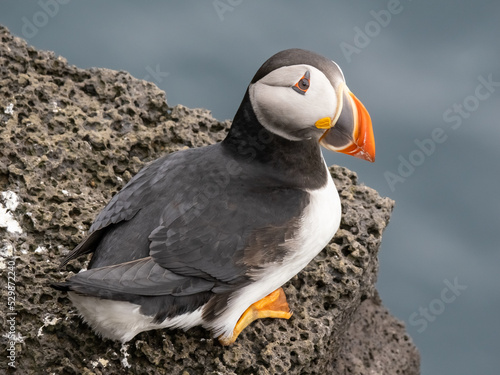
207, 236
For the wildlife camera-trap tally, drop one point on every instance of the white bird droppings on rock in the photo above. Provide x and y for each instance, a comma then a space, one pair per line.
9, 110
10, 199
8, 204
123, 350
55, 108
40, 250
47, 321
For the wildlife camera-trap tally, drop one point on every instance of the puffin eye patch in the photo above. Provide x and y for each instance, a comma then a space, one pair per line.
303, 84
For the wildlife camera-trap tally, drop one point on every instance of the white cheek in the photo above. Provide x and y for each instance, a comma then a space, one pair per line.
282, 110
320, 101
272, 106
276, 103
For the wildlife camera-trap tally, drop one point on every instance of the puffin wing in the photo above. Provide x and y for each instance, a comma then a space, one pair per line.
142, 277
230, 234
139, 192
215, 248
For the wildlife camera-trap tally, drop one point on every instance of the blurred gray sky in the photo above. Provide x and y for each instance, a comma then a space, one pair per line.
416, 65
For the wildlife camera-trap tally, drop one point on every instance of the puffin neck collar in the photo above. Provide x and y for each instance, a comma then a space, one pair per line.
298, 162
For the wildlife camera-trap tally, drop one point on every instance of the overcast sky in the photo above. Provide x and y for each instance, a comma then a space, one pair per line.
428, 73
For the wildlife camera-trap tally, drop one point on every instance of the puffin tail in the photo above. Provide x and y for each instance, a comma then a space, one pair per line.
63, 287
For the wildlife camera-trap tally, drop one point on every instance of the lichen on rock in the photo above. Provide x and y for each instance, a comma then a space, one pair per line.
70, 139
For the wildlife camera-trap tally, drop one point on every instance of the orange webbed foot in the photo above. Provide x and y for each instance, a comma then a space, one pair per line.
274, 305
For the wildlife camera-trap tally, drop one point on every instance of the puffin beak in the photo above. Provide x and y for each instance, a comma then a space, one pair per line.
350, 131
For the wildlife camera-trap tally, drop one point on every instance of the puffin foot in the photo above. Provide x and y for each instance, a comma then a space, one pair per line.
273, 305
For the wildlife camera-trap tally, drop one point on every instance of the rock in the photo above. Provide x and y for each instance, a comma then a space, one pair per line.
375, 343
71, 138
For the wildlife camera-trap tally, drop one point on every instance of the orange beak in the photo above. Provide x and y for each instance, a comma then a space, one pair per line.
352, 133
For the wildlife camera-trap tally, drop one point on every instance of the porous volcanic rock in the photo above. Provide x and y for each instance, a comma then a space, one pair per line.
70, 139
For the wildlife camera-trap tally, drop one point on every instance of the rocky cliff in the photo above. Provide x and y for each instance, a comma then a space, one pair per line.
70, 139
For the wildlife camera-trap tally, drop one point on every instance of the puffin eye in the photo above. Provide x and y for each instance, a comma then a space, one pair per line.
303, 84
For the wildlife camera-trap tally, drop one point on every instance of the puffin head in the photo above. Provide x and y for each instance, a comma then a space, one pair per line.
300, 95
